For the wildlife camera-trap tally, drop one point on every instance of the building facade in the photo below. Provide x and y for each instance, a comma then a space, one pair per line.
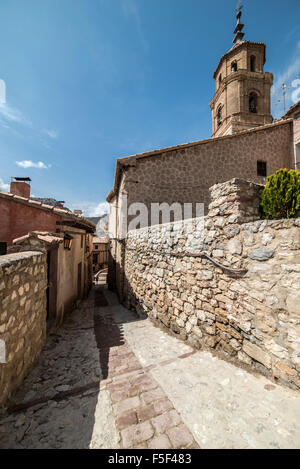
64, 237
294, 113
243, 98
100, 255
246, 144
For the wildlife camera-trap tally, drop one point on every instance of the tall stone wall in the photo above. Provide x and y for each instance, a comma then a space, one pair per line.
185, 173
239, 291
23, 282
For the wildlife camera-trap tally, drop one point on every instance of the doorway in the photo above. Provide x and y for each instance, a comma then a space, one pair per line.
51, 292
79, 277
48, 284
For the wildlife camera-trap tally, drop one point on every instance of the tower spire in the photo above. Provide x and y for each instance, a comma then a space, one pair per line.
238, 32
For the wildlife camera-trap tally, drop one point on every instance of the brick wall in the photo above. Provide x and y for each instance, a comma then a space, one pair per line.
240, 296
21, 218
23, 281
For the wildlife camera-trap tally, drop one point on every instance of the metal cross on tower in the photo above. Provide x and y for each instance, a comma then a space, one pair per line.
238, 32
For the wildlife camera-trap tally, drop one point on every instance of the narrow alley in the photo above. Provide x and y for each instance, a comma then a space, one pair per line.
108, 379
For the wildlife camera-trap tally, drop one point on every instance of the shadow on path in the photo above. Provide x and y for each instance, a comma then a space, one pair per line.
107, 333
55, 407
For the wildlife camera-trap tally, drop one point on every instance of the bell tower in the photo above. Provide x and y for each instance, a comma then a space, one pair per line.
243, 90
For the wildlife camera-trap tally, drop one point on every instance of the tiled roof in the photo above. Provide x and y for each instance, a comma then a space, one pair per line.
45, 236
48, 201
66, 214
291, 110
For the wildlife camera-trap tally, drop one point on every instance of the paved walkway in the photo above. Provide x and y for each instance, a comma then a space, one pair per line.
107, 379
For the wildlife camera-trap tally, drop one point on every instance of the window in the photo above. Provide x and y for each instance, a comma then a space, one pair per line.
297, 117
253, 103
234, 66
252, 63
96, 247
220, 79
95, 258
81, 245
68, 241
262, 169
297, 163
3, 248
219, 116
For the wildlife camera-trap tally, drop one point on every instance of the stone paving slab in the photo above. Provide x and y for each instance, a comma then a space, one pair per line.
125, 408
222, 405
141, 411
69, 370
230, 408
108, 379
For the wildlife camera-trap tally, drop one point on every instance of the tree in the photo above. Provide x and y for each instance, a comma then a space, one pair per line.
281, 196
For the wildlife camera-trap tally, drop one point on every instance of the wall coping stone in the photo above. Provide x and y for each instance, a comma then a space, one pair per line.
9, 259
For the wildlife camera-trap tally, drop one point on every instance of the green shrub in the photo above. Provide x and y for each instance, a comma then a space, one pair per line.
281, 196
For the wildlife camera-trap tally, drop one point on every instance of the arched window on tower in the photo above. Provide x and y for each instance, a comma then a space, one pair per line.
234, 66
253, 103
252, 63
219, 116
220, 79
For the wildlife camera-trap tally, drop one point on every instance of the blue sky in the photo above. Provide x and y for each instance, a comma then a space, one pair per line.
88, 81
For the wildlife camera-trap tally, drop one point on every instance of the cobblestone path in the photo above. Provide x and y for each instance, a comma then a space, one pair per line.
108, 379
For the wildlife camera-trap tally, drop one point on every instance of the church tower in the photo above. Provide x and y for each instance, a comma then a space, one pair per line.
242, 99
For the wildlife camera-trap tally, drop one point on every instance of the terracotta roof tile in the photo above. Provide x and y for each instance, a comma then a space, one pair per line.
291, 110
46, 237
49, 208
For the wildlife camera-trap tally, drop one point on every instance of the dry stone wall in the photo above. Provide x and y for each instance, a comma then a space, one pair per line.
23, 282
239, 295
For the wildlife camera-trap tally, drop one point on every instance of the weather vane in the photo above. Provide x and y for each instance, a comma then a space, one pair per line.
238, 32
239, 6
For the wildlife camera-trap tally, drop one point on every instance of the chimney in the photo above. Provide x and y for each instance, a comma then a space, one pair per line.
21, 187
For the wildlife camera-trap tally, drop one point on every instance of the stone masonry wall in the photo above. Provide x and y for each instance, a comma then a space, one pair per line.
239, 296
185, 174
23, 282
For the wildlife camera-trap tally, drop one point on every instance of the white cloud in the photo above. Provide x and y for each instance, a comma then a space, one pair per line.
290, 71
4, 187
51, 133
11, 117
288, 77
91, 209
12, 114
4, 124
30, 164
100, 209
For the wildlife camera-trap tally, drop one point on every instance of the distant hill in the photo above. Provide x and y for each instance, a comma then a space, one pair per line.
48, 201
94, 220
101, 225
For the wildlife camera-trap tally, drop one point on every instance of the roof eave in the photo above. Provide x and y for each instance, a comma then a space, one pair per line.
49, 208
121, 161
